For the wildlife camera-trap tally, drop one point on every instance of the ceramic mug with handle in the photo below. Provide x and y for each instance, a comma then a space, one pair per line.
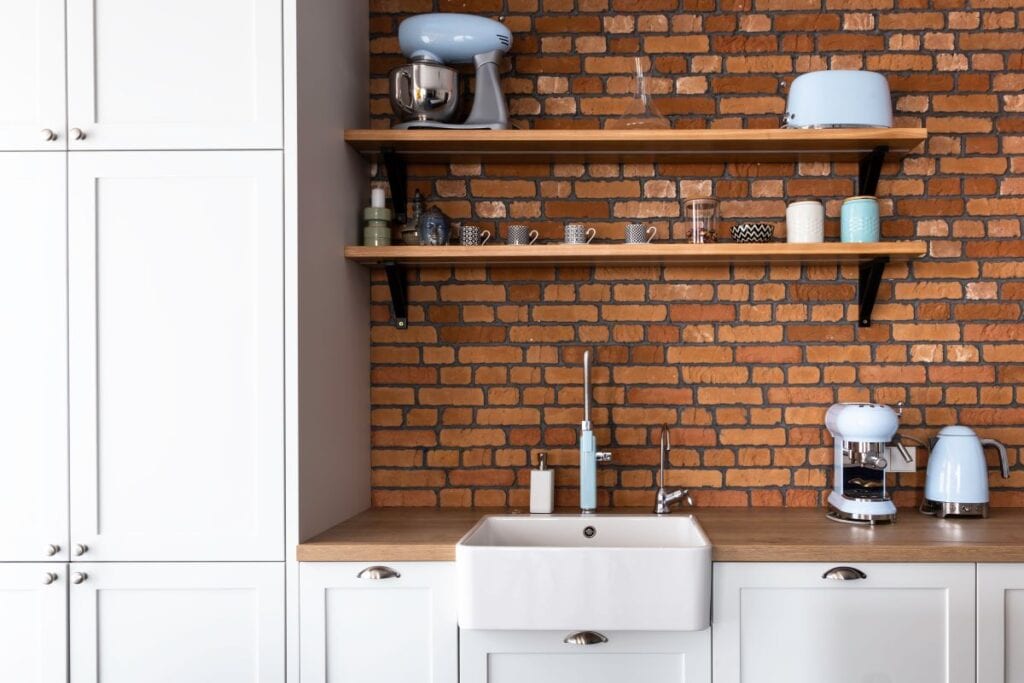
640, 233
472, 236
577, 233
521, 235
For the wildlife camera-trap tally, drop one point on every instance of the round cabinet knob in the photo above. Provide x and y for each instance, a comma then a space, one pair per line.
81, 549
48, 578
79, 577
52, 549
48, 135
77, 134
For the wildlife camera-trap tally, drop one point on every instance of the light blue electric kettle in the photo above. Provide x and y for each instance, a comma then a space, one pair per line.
957, 481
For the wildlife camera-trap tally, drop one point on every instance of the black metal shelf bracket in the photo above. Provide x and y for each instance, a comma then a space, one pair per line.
867, 291
399, 286
870, 170
398, 178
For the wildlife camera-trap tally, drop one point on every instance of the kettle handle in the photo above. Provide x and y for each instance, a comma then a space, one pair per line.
1002, 455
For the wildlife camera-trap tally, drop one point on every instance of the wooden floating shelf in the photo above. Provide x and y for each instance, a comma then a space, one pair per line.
718, 145
871, 260
635, 254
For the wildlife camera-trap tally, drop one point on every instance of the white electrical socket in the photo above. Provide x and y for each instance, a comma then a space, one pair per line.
896, 461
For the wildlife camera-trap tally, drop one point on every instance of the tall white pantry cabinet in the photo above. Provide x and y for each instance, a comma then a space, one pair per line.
183, 354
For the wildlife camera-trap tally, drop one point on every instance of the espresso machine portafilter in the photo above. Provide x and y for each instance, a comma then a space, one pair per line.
863, 434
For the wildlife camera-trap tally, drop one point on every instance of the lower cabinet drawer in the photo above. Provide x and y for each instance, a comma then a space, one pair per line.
587, 657
367, 622
803, 622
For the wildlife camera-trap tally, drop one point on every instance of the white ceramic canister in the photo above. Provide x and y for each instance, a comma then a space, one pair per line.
805, 222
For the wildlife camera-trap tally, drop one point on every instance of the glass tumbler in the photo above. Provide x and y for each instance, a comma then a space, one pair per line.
701, 218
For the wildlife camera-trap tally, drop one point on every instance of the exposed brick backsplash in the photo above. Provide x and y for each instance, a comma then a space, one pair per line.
741, 361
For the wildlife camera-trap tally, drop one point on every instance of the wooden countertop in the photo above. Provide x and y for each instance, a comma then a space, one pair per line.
738, 535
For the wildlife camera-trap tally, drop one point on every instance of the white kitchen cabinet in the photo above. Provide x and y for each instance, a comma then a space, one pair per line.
188, 74
545, 657
1000, 623
169, 623
176, 327
399, 628
911, 623
32, 112
33, 357
33, 622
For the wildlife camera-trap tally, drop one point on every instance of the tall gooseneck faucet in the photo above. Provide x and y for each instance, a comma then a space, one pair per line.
589, 455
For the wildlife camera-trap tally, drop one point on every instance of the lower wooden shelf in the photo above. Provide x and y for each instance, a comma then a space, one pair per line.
871, 257
635, 254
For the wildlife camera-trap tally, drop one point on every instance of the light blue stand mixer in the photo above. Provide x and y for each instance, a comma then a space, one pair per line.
425, 93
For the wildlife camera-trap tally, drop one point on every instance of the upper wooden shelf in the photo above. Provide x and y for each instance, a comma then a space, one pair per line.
636, 254
843, 144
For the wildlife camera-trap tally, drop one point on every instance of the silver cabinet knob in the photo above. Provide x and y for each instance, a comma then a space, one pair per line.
81, 549
378, 573
585, 638
79, 577
48, 135
52, 549
844, 574
77, 134
48, 578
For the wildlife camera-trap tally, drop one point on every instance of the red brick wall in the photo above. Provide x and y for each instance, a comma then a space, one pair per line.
742, 361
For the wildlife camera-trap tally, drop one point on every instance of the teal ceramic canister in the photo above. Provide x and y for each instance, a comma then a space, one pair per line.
859, 220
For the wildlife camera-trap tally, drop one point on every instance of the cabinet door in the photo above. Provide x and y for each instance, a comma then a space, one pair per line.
1000, 623
33, 356
545, 657
33, 623
400, 629
187, 74
32, 75
912, 623
176, 355
169, 623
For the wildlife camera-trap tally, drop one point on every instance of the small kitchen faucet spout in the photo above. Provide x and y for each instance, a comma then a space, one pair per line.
589, 455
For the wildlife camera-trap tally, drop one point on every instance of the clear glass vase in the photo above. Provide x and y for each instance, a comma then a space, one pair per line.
641, 113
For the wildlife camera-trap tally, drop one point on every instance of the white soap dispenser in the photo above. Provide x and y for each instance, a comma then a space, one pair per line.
542, 487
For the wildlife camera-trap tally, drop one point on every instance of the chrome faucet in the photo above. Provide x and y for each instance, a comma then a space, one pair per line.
589, 455
665, 499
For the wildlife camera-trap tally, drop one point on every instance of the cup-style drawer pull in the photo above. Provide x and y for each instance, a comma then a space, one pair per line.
844, 574
585, 638
378, 572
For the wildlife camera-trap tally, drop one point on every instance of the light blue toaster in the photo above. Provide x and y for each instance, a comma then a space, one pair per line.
839, 99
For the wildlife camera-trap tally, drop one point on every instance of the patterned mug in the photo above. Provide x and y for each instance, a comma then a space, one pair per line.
640, 233
521, 235
472, 236
577, 233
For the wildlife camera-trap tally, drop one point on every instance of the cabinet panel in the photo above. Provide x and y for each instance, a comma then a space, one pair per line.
33, 356
168, 623
1000, 623
392, 630
544, 657
33, 623
912, 623
189, 74
32, 74
177, 359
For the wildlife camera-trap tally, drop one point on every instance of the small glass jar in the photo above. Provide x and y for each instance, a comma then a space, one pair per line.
701, 219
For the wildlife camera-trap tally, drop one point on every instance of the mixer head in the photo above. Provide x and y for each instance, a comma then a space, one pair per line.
451, 38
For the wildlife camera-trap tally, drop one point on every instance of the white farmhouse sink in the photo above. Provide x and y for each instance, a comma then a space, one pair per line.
543, 572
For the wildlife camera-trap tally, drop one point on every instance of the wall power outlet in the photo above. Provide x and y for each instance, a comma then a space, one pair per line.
896, 461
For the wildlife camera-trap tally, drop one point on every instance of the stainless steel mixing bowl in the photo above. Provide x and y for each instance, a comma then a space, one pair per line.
424, 91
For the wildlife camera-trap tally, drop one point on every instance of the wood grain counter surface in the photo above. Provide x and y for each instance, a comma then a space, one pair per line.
738, 535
